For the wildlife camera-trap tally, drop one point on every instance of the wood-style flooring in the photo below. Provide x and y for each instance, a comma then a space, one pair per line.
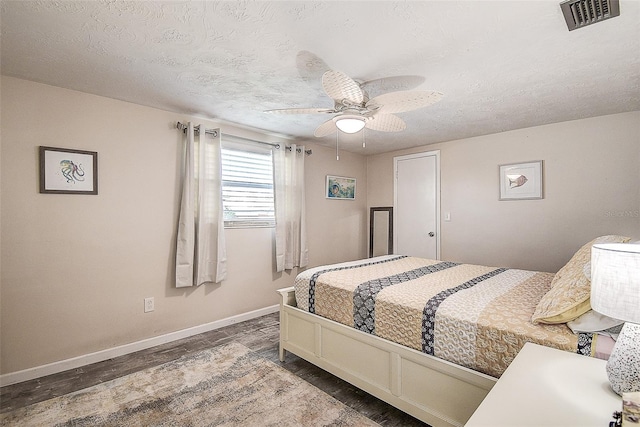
261, 335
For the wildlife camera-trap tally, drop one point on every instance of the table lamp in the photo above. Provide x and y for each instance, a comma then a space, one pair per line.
615, 292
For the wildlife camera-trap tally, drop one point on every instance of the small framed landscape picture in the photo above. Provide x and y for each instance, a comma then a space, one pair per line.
521, 181
66, 171
340, 187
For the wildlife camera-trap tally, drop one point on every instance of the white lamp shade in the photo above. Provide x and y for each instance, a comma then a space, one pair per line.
350, 124
615, 280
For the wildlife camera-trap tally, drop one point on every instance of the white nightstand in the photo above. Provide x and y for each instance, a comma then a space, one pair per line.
549, 387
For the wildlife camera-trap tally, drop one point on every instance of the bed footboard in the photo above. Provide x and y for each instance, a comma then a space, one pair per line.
435, 391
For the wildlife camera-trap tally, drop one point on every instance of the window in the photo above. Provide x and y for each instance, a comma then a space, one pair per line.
247, 185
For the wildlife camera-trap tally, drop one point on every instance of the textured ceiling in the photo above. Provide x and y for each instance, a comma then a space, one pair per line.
501, 65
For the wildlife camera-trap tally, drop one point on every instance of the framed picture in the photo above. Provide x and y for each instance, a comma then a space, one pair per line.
339, 187
65, 171
521, 181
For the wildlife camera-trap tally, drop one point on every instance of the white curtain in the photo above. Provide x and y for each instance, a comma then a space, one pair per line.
200, 253
291, 230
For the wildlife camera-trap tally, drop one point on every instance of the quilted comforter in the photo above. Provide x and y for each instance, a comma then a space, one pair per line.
471, 315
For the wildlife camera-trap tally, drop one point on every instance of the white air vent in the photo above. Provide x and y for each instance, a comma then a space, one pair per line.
580, 13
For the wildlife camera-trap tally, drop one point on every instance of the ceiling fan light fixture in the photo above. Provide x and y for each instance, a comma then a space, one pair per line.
350, 124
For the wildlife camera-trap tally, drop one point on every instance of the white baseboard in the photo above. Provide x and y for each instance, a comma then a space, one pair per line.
99, 356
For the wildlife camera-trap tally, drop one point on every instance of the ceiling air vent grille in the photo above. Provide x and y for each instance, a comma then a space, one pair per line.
580, 13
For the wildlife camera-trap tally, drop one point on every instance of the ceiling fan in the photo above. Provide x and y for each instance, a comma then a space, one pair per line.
354, 110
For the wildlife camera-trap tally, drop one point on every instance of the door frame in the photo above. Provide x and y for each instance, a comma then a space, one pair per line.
396, 159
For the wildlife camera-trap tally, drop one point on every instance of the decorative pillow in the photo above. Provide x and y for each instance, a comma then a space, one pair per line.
592, 321
570, 290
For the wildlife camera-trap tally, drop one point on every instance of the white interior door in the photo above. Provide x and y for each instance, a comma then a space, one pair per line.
417, 205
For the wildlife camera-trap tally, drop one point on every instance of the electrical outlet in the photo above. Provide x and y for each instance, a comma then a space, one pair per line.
149, 305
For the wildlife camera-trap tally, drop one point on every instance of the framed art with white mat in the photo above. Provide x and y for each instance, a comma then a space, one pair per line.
521, 181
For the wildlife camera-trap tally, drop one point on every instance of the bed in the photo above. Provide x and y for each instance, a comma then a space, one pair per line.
432, 337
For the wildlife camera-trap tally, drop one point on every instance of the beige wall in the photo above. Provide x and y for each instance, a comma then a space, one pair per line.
75, 269
591, 188
339, 226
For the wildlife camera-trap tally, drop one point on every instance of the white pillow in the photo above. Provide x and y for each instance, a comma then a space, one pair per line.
592, 321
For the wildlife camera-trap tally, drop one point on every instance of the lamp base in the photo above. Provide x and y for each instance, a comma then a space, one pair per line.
623, 366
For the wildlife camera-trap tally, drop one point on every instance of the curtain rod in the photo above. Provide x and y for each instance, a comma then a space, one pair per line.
214, 133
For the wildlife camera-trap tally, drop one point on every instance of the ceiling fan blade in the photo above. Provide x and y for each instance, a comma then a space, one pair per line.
310, 67
339, 87
385, 123
325, 128
398, 102
301, 111
391, 84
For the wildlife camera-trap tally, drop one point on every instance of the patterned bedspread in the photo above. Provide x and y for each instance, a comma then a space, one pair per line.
471, 315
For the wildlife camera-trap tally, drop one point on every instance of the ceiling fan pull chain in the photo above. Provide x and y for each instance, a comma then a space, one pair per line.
337, 152
363, 144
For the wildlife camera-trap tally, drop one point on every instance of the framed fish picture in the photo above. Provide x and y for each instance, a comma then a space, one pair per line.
66, 171
521, 181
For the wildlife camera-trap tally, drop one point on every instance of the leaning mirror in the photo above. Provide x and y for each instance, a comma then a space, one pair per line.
380, 231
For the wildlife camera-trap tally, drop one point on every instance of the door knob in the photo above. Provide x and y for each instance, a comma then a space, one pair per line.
431, 234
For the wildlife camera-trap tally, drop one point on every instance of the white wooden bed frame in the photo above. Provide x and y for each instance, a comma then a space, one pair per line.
433, 390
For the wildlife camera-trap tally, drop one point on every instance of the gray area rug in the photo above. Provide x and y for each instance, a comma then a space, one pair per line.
224, 386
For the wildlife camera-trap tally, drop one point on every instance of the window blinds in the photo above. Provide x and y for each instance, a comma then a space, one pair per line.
247, 187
